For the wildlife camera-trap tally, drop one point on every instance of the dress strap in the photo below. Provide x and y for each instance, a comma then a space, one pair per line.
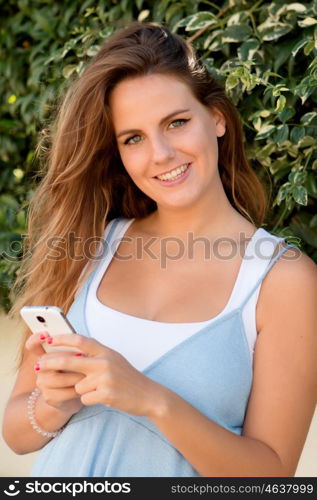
272, 262
76, 313
103, 246
108, 235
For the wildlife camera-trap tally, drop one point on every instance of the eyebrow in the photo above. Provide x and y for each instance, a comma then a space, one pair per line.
134, 131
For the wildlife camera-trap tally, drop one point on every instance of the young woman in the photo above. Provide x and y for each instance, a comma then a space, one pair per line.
197, 325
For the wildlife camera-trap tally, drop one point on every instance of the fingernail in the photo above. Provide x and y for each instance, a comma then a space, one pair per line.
37, 367
49, 340
78, 354
42, 336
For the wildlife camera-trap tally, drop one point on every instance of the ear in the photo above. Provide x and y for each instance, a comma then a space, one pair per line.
220, 122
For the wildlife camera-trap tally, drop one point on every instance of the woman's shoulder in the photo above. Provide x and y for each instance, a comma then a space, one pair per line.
290, 285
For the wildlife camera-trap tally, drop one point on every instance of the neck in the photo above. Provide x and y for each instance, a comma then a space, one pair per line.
214, 217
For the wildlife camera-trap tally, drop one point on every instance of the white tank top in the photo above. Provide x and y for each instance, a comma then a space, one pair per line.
142, 341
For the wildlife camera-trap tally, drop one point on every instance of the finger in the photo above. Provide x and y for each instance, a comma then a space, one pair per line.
89, 346
55, 380
54, 355
61, 362
89, 383
58, 354
96, 390
35, 343
92, 398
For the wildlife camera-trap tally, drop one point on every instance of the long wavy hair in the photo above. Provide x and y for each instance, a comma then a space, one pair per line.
85, 184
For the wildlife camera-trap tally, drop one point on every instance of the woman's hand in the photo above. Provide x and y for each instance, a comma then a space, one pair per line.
109, 379
57, 387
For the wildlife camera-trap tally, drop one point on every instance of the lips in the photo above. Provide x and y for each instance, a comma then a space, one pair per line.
178, 179
177, 171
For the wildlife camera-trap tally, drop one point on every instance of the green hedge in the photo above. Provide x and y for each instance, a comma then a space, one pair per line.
264, 51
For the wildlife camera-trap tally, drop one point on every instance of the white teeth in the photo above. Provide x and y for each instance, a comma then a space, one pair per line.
174, 173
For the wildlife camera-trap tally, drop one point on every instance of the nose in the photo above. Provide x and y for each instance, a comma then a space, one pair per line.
162, 150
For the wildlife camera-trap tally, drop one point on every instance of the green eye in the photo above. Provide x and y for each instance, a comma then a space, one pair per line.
178, 123
133, 140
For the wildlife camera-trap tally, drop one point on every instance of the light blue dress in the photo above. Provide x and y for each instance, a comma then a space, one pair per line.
211, 369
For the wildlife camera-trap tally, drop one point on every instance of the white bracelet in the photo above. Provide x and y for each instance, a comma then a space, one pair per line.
31, 414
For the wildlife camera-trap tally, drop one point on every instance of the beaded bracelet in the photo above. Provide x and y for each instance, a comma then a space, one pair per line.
31, 414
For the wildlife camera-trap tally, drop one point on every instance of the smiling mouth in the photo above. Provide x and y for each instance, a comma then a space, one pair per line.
173, 174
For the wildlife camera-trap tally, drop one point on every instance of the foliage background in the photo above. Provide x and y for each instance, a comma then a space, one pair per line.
264, 52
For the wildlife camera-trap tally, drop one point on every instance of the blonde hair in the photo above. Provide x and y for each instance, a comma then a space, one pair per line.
85, 184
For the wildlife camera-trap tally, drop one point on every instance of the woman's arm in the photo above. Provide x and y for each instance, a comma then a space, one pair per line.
284, 390
16, 428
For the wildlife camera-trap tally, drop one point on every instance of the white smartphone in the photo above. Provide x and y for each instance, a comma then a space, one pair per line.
50, 319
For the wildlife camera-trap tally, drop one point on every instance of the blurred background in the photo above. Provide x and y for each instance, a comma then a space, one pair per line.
265, 53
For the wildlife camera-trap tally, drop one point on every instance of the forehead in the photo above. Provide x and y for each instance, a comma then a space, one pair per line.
149, 96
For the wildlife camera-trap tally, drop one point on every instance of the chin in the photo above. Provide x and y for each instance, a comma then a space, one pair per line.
177, 204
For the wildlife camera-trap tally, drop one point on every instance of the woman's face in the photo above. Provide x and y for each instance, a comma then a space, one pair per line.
163, 130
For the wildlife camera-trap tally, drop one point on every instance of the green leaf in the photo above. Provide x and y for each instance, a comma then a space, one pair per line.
201, 20
308, 21
280, 103
18, 173
300, 195
298, 46
297, 7
297, 176
309, 47
69, 70
278, 89
286, 114
267, 150
273, 30
297, 134
257, 123
282, 193
237, 18
216, 45
93, 50
306, 141
209, 64
237, 33
281, 135
265, 131
304, 91
232, 81
264, 113
308, 117
210, 37
143, 15
183, 22
247, 50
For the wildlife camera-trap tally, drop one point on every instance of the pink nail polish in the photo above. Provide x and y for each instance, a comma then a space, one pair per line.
78, 354
37, 367
42, 336
49, 340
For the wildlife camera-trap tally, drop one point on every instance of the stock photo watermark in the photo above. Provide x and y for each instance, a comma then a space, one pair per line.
163, 250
